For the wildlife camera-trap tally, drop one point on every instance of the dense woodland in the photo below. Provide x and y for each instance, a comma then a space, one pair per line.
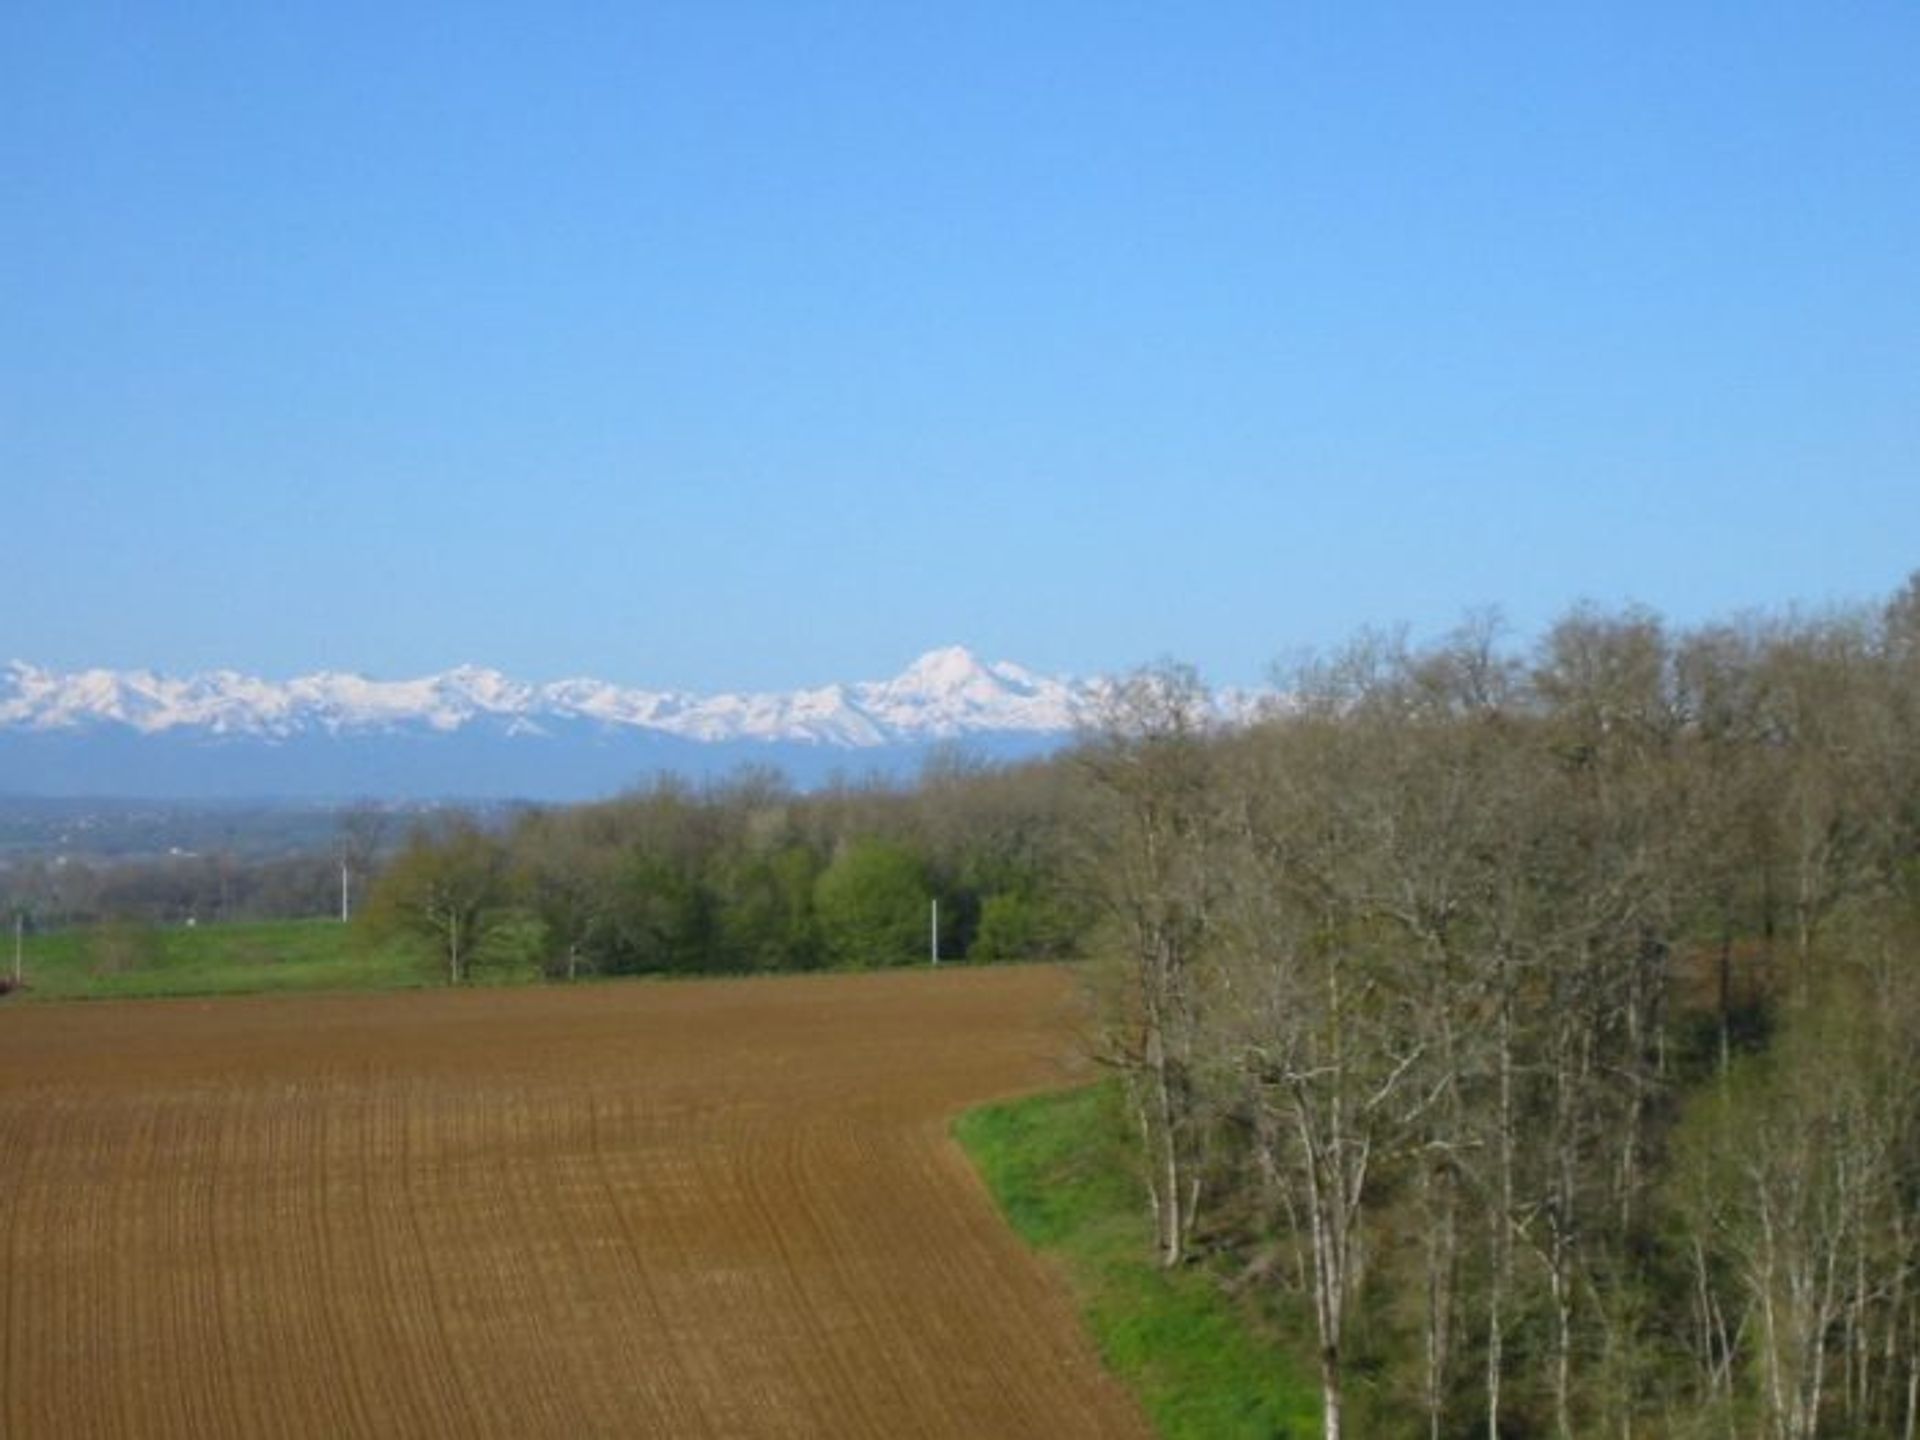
1532, 1034
1544, 1030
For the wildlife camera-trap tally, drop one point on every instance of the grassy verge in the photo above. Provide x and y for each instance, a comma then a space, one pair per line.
1201, 1362
124, 961
119, 960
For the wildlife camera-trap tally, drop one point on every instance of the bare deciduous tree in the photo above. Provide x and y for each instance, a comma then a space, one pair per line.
1149, 766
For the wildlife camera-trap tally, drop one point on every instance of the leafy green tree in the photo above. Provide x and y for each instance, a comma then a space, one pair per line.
566, 880
515, 944
449, 888
1023, 924
872, 906
661, 917
766, 914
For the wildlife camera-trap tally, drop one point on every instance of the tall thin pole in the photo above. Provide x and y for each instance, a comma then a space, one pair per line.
933, 936
343, 892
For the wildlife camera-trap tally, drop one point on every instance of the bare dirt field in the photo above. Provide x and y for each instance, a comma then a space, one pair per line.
723, 1208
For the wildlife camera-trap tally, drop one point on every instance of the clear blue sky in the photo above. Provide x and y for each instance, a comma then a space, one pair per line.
722, 344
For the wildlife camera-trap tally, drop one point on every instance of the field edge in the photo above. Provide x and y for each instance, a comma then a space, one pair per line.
1058, 1167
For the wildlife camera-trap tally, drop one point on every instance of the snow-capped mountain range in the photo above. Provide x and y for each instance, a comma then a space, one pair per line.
476, 733
945, 694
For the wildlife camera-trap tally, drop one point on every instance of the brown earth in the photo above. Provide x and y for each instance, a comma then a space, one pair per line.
724, 1208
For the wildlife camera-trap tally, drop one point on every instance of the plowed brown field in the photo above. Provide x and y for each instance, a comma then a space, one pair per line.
713, 1208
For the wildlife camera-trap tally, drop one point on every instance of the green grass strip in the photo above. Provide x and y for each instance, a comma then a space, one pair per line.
141, 961
1198, 1360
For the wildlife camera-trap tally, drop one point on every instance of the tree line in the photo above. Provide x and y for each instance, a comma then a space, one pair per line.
748, 875
1541, 1032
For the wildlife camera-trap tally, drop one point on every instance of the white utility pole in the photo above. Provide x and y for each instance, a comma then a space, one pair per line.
933, 937
343, 892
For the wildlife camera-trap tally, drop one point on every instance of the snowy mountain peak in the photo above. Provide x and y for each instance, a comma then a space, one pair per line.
945, 693
952, 667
